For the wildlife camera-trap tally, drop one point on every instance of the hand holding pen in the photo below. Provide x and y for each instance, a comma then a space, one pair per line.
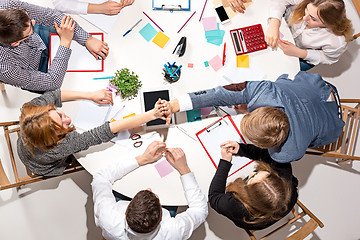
228, 149
103, 96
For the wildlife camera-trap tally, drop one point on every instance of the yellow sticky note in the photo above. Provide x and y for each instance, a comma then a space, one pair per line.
130, 115
161, 39
242, 61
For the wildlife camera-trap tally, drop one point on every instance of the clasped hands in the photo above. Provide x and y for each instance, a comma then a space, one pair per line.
175, 156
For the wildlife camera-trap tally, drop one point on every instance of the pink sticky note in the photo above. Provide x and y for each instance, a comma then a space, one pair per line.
190, 65
164, 168
205, 111
215, 63
209, 23
281, 35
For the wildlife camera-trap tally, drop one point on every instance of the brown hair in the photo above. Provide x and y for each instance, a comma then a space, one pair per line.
38, 129
13, 22
144, 212
331, 12
263, 200
265, 127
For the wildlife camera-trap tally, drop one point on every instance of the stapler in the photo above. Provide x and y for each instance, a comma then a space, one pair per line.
180, 47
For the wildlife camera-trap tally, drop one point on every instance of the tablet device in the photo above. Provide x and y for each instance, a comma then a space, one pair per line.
148, 100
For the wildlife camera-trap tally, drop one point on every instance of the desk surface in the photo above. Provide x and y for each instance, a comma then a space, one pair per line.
146, 59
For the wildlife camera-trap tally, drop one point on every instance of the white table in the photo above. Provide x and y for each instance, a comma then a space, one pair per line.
146, 59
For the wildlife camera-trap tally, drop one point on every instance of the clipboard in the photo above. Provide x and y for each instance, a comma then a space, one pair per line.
172, 5
215, 134
81, 59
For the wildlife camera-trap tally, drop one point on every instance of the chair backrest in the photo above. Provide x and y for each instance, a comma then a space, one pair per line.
344, 146
11, 128
302, 232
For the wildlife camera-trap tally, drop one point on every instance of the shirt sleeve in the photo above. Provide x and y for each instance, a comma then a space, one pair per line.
104, 200
47, 17
71, 6
197, 212
329, 54
232, 94
278, 7
75, 142
51, 97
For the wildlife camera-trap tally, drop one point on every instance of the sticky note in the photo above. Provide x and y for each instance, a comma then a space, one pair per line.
164, 168
242, 61
206, 63
209, 23
206, 111
215, 63
148, 32
193, 115
160, 39
190, 65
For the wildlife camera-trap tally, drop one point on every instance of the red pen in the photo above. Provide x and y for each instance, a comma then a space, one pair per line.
224, 55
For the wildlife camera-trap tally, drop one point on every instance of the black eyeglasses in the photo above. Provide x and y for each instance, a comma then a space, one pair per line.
32, 32
136, 137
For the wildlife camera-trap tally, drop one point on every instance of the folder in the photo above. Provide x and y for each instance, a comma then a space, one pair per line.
215, 134
172, 5
81, 59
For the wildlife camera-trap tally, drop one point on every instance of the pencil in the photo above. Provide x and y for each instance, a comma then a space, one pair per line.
202, 10
186, 22
153, 21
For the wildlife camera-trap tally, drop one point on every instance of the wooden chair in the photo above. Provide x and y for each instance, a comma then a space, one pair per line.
357, 7
302, 232
17, 181
344, 148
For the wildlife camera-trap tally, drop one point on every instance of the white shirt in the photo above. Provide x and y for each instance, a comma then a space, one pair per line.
322, 45
110, 215
71, 6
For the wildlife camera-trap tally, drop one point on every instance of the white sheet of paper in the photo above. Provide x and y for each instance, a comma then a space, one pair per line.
236, 75
101, 21
80, 59
219, 134
182, 3
90, 115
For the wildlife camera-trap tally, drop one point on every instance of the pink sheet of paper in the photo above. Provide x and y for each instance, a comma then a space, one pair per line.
164, 168
209, 23
215, 63
281, 35
205, 111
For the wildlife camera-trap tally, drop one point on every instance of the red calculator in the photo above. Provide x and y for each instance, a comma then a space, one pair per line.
248, 39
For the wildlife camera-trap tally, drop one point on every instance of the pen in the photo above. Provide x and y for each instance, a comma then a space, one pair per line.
153, 21
176, 70
202, 10
132, 27
186, 22
224, 55
103, 78
186, 133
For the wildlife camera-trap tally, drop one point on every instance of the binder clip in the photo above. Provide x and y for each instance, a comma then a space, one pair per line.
172, 72
180, 47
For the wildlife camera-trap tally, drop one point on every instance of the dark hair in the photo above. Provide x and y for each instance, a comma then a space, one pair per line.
144, 212
13, 22
268, 199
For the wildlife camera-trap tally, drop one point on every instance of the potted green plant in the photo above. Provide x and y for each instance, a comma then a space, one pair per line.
125, 83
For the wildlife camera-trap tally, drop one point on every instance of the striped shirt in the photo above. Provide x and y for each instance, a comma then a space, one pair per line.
19, 65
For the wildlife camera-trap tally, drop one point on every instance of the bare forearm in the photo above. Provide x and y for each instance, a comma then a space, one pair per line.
132, 122
67, 96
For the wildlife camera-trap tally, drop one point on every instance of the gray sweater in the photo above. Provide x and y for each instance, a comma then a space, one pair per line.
54, 161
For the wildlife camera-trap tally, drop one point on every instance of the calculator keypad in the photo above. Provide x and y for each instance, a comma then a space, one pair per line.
251, 38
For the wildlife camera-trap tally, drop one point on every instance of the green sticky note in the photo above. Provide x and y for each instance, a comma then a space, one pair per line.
193, 115
206, 63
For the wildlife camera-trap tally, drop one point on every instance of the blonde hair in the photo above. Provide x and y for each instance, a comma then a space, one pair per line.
267, 199
331, 12
265, 127
38, 129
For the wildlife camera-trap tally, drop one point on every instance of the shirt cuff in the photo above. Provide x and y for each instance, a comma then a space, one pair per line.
82, 7
185, 103
275, 14
188, 180
312, 57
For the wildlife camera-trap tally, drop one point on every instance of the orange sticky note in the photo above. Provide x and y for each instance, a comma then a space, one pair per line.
242, 61
160, 39
130, 115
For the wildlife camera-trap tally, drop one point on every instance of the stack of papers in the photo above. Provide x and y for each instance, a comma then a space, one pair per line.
213, 34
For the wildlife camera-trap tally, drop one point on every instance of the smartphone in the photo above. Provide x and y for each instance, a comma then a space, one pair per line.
220, 10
